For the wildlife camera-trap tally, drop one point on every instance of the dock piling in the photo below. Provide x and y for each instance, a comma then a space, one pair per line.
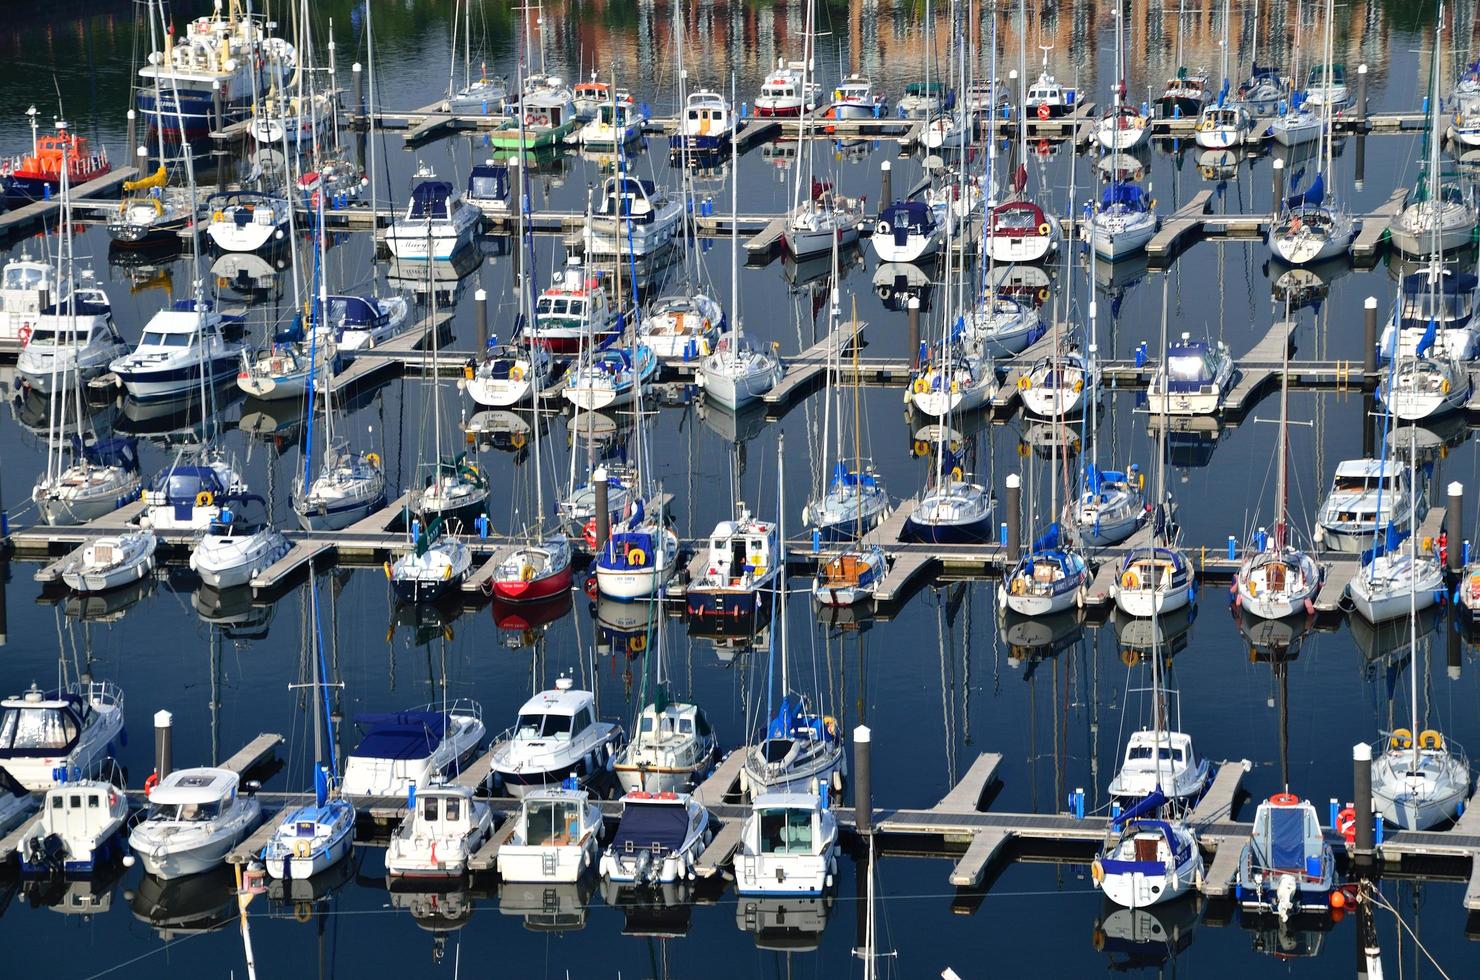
216, 113
164, 737
1277, 172
1362, 97
1454, 526
863, 803
1359, 179
480, 308
1453, 654
358, 71
1014, 517
132, 131
914, 338
1362, 794
4, 578
886, 191
1369, 336
603, 507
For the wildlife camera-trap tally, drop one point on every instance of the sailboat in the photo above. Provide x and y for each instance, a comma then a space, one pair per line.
1265, 89
1187, 91
1298, 119
1399, 578
1018, 229
1422, 778
315, 836
484, 95
802, 751
1439, 215
1277, 579
1123, 126
641, 554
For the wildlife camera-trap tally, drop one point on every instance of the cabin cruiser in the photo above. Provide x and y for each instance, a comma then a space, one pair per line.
681, 328
247, 221
79, 829
1419, 781
509, 374
1046, 98
658, 838
1441, 297
672, 748
783, 94
633, 219
556, 837
436, 565
639, 558
1019, 231
1380, 590
707, 124
192, 498
1001, 325
905, 232
545, 116
111, 561
1047, 580
1153, 580
417, 747
313, 837
854, 503
1275, 582
1149, 861
488, 187
605, 377
1325, 85
557, 736
46, 734
1193, 381
102, 477
1111, 508
1123, 224
358, 323
182, 349
444, 825
738, 373
195, 818
922, 100
850, 577
613, 126
788, 846
1185, 94
75, 339
437, 223
1366, 495
1286, 866
26, 288
954, 511
1224, 126
1422, 387
1160, 761
349, 487
744, 560
573, 313
855, 98
802, 752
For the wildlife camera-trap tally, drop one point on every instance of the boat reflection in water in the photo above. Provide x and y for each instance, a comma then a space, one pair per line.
1304, 286
896, 283
506, 431
1149, 938
441, 912
84, 897
176, 421
1273, 640
625, 628
185, 906
523, 624
789, 924
101, 607
303, 894
729, 649
1299, 938
1169, 632
1389, 644
659, 911
427, 621
232, 611
445, 277
1190, 439
1034, 638
550, 907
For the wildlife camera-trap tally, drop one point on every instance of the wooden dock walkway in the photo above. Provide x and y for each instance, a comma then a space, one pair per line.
1374, 229
22, 219
258, 752
967, 794
370, 364
1260, 366
482, 576
1218, 800
302, 554
808, 367
1185, 220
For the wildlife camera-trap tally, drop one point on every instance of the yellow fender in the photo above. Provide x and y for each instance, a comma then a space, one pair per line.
921, 386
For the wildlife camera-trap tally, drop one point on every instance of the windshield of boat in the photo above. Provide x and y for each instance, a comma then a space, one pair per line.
1434, 306
158, 339
785, 830
1147, 752
557, 822
37, 729
543, 726
560, 306
184, 812
1362, 484
24, 277
1186, 367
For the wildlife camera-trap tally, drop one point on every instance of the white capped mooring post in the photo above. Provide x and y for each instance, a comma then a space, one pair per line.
863, 804
164, 750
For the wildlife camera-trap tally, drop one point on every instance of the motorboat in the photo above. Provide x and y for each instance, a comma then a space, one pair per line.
1019, 231
103, 476
509, 374
436, 565
437, 222
1380, 589
70, 341
589, 96
1264, 90
607, 376
1419, 781
247, 221
633, 219
1225, 126
615, 125
1148, 861
988, 97
38, 175
1153, 580
111, 561
545, 116
1439, 297
1325, 87
187, 497
183, 348
854, 98
922, 100
1422, 387
954, 511
785, 92
573, 313
488, 187
416, 747
638, 560
1286, 866
557, 736
659, 837
801, 753
1002, 325
1161, 761
1111, 507
851, 577
906, 231
1124, 222
79, 829
738, 373
46, 735
358, 323
1194, 380
853, 503
1048, 580
743, 561
1366, 494
311, 838
1061, 385
1046, 98
952, 381
788, 846
673, 747
195, 818
1277, 581
349, 487
556, 837
442, 829
229, 555
26, 288
681, 328
707, 124
1185, 94
821, 223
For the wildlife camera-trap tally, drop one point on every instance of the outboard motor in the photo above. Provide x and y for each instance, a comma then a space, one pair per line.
48, 852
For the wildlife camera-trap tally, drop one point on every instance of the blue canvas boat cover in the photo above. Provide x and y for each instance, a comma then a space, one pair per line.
110, 452
182, 484
915, 215
416, 736
1311, 197
652, 825
429, 198
1287, 838
1127, 195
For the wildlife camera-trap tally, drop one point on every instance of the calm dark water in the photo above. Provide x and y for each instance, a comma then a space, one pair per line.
938, 684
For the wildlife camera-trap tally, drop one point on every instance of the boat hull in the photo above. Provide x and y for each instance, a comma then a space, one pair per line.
966, 532
534, 590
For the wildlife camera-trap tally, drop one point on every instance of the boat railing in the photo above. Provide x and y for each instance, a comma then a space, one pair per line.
103, 694
458, 706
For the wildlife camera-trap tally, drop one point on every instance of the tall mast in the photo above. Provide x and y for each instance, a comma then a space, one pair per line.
1281, 520
738, 326
1412, 579
781, 545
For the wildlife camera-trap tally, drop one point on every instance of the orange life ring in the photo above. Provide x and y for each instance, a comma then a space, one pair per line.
150, 783
25, 335
1284, 799
1044, 111
1346, 823
1129, 581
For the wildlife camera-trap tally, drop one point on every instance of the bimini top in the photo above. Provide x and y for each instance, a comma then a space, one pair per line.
430, 199
489, 181
1190, 365
1450, 299
355, 311
400, 735
652, 821
916, 216
182, 484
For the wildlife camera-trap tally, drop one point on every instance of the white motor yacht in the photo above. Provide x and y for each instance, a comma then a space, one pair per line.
658, 838
633, 219
444, 825
1194, 379
47, 735
229, 555
556, 837
788, 846
557, 736
1366, 494
73, 340
179, 346
416, 747
111, 561
1164, 760
672, 748
437, 222
195, 818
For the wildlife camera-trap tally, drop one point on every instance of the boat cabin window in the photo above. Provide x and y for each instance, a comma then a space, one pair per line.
24, 278
429, 809
76, 802
160, 339
1359, 484
37, 729
452, 808
487, 188
560, 306
1148, 752
1431, 306
544, 726
786, 831
553, 823
580, 722
184, 811
1186, 367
